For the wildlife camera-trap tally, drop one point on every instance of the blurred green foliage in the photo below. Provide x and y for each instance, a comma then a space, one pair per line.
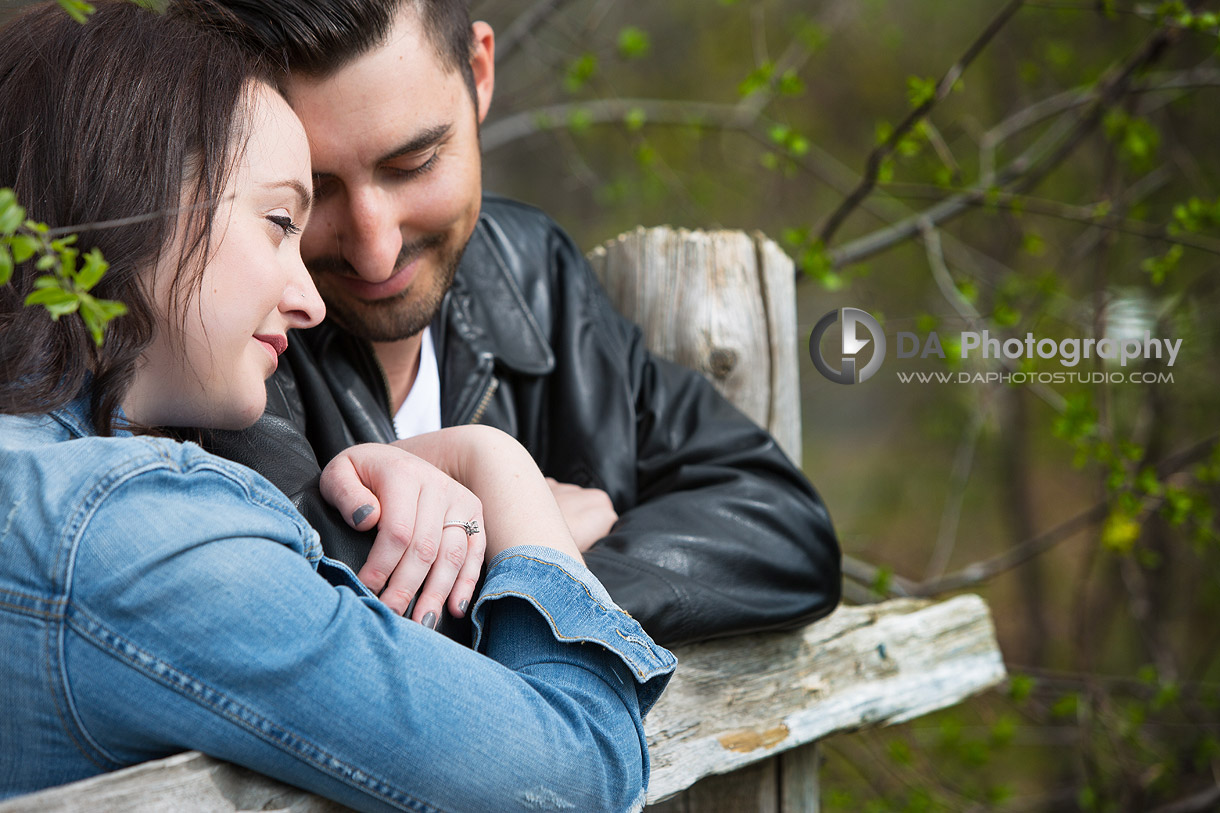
1071, 178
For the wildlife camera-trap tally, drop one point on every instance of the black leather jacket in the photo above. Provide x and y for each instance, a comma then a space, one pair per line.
717, 533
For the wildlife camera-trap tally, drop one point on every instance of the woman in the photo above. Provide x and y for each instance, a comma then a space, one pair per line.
154, 598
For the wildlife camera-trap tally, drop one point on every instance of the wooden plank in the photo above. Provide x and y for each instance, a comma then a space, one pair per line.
732, 703
185, 783
884, 663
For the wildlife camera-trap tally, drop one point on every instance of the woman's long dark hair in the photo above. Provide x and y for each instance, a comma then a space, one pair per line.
132, 113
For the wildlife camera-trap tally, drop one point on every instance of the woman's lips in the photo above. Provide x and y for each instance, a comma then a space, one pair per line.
274, 344
278, 342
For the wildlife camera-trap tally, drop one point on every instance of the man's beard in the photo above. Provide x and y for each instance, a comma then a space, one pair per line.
396, 317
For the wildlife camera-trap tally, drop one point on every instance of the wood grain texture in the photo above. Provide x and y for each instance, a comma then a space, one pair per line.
740, 700
722, 303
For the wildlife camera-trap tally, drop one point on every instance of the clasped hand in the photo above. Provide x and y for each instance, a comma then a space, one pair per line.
410, 489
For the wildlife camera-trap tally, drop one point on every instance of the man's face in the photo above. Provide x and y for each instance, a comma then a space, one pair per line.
397, 179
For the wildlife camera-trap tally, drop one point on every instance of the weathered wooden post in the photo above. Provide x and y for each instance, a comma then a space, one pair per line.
723, 303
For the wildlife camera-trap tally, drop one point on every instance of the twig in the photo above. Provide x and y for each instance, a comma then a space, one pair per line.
967, 311
523, 28
602, 111
989, 568
1012, 201
866, 574
1023, 172
872, 167
1195, 803
959, 478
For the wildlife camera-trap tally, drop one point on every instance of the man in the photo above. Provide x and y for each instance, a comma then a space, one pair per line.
448, 307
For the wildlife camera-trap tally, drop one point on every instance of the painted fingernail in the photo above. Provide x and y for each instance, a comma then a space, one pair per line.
430, 621
462, 605
361, 514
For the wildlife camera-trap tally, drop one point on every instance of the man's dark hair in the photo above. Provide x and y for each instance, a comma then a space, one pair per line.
317, 39
133, 113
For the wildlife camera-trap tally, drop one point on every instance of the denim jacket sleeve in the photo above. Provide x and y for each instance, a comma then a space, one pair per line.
202, 615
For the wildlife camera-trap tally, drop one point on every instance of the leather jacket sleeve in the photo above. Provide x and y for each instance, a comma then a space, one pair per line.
718, 532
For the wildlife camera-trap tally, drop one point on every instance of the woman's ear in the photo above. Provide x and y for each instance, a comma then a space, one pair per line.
483, 65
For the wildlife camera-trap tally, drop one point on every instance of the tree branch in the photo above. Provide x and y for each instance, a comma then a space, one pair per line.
1024, 171
872, 167
523, 28
1087, 215
988, 568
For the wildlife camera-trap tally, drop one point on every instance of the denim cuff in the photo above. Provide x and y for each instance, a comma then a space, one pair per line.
578, 610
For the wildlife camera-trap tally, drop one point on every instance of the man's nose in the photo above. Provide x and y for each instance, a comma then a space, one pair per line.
373, 238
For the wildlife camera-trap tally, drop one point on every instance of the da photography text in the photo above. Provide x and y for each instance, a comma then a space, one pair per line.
861, 334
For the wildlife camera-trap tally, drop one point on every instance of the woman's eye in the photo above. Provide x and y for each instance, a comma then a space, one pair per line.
285, 223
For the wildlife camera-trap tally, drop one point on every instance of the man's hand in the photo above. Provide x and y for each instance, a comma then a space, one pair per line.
588, 511
409, 500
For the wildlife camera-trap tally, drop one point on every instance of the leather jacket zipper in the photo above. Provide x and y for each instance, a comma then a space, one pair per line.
492, 386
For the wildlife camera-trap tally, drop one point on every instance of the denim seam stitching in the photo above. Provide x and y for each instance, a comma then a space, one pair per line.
629, 659
186, 685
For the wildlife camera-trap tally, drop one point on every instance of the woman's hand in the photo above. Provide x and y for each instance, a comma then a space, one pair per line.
517, 502
409, 500
410, 488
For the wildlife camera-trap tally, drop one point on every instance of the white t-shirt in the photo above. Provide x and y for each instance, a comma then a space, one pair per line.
421, 412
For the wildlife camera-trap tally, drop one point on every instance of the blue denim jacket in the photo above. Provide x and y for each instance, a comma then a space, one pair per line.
156, 598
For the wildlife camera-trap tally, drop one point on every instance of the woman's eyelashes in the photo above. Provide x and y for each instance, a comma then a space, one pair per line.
284, 222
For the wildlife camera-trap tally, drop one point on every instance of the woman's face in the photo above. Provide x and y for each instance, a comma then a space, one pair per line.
209, 369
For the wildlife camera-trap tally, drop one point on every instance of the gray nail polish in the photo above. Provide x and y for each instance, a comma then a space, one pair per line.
361, 514
462, 605
430, 621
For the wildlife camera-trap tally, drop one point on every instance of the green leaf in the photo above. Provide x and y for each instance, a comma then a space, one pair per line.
920, 90
1020, 687
95, 266
1066, 705
633, 42
11, 215
23, 246
77, 9
757, 79
635, 118
580, 120
6, 265
882, 581
56, 300
579, 72
1120, 532
790, 84
809, 33
795, 236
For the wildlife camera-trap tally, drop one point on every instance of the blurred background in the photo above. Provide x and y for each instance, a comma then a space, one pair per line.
1036, 167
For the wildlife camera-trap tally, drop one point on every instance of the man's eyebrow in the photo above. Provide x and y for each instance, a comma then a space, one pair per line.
422, 140
304, 196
